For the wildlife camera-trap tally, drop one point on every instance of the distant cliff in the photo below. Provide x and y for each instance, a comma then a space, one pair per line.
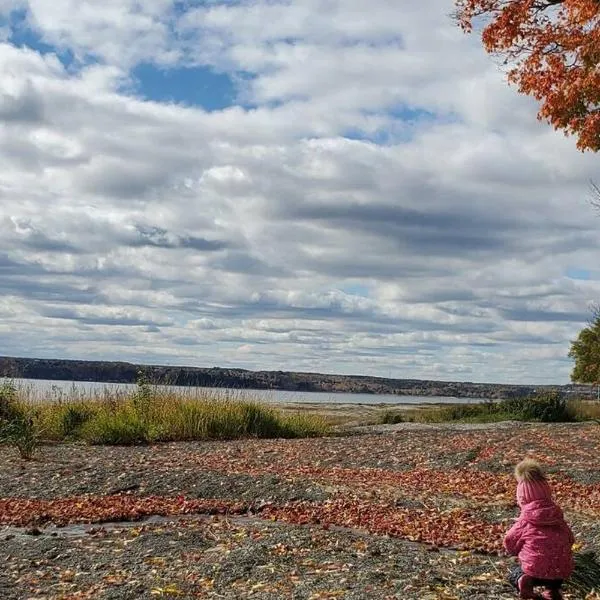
122, 372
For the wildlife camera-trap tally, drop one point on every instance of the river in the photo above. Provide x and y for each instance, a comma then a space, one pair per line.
38, 389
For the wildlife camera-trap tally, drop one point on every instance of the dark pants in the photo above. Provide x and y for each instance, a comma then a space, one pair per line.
516, 573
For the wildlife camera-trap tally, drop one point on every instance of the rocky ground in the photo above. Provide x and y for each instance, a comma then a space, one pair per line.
403, 511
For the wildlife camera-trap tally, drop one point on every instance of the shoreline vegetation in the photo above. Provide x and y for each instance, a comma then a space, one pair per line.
123, 372
146, 415
152, 413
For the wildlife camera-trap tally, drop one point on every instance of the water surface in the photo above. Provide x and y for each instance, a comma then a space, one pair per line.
42, 389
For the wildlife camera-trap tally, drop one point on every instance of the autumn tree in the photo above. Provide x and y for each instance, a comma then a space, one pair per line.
552, 49
585, 350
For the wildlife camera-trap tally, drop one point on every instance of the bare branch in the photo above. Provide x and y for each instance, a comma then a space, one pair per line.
595, 189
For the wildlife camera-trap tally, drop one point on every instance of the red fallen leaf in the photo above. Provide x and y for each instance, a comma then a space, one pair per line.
355, 485
455, 528
98, 509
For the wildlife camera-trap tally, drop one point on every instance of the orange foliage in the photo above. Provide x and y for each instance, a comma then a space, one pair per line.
553, 49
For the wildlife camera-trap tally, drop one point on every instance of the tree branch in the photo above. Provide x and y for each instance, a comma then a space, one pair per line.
595, 188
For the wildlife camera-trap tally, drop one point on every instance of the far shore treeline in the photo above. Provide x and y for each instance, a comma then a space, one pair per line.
123, 372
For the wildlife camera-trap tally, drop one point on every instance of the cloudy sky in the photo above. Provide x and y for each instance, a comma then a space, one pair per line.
341, 186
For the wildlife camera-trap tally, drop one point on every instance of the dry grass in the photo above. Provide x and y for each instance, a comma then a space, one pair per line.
585, 410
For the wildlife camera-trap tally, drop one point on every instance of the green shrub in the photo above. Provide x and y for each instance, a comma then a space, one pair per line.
19, 425
23, 432
547, 407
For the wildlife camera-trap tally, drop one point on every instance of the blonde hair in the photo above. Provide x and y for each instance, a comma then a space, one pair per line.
529, 470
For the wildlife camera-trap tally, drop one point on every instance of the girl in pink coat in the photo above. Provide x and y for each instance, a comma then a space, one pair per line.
540, 537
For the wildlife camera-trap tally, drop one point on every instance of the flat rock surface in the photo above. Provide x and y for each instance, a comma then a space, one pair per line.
402, 511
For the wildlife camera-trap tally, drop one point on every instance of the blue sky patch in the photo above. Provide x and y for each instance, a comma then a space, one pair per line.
22, 35
191, 86
404, 121
356, 289
581, 274
378, 137
412, 114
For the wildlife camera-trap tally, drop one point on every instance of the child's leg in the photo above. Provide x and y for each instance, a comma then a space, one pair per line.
522, 583
552, 591
514, 575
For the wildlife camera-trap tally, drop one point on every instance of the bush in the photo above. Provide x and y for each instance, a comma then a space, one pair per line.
19, 426
21, 431
547, 407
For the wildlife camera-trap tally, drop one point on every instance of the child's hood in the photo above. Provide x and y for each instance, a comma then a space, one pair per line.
542, 513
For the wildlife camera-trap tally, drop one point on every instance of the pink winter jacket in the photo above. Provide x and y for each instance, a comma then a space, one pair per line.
542, 540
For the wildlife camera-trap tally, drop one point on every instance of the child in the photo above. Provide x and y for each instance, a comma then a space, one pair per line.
540, 538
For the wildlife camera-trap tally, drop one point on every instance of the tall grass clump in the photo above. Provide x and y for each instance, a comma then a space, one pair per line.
218, 419
122, 427
302, 425
23, 433
227, 418
168, 418
153, 413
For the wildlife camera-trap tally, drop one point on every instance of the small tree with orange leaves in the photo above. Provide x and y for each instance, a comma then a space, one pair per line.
552, 48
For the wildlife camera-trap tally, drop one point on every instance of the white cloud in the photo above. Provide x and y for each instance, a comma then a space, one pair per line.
263, 237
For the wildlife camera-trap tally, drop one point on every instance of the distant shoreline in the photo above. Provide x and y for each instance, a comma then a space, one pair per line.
125, 372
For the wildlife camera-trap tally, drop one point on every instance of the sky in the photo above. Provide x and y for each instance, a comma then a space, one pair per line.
342, 186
